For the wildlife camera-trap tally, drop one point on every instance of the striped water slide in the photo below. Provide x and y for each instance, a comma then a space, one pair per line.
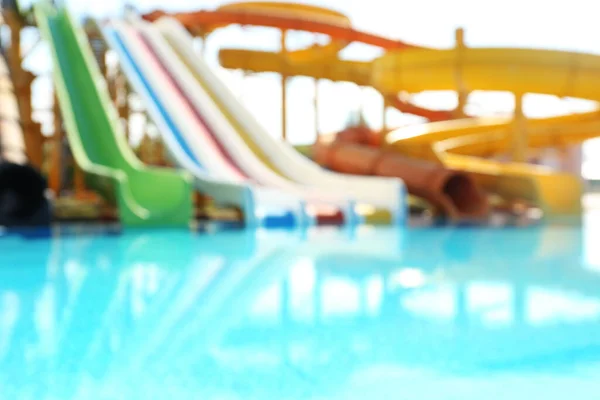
218, 145
190, 146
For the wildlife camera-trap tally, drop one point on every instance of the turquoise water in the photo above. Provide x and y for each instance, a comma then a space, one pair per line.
416, 313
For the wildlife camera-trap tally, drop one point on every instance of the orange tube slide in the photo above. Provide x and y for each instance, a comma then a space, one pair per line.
453, 192
205, 21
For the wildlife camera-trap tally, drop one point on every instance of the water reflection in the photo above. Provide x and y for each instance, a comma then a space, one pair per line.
308, 314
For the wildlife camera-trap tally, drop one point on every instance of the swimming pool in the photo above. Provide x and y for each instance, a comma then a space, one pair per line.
415, 313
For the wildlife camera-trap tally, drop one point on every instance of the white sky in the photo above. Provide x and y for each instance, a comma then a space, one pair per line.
560, 25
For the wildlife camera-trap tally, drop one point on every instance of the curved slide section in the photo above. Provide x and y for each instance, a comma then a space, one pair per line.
325, 206
454, 193
383, 193
284, 16
309, 13
145, 196
191, 146
492, 135
552, 72
461, 144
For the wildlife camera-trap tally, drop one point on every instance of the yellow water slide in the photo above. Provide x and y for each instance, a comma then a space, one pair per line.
462, 144
459, 143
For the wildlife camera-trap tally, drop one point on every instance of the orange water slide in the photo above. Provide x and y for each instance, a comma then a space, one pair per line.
285, 16
455, 193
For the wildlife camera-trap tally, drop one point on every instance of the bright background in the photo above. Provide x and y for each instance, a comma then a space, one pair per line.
569, 25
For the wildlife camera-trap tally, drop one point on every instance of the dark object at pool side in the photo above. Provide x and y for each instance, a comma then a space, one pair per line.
22, 196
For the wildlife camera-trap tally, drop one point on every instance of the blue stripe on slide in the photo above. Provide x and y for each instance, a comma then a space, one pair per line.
155, 99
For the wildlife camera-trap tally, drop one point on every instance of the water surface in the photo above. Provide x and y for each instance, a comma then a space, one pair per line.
415, 313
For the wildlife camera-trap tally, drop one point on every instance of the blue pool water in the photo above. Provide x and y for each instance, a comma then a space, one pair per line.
419, 313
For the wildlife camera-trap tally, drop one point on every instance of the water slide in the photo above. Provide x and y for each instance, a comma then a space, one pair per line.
145, 196
167, 96
453, 193
372, 194
148, 47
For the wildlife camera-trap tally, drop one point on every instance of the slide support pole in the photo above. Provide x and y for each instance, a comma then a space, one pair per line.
284, 86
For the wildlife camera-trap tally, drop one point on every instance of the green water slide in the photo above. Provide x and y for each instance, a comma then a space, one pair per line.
145, 196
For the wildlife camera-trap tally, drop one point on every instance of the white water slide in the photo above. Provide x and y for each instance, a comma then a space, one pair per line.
384, 193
